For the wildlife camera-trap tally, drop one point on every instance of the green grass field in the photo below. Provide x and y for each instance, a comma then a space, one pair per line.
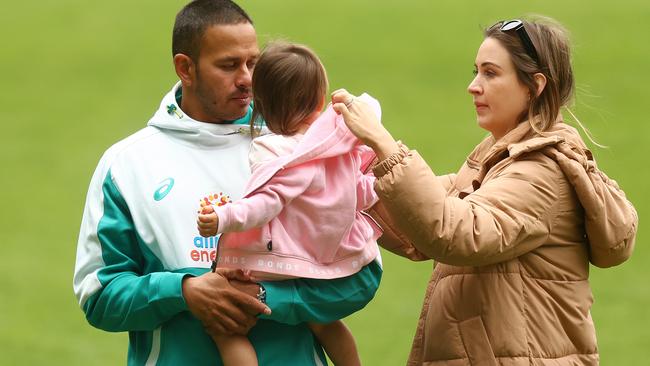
80, 75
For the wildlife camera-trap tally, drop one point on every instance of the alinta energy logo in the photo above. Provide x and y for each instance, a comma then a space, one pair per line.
205, 249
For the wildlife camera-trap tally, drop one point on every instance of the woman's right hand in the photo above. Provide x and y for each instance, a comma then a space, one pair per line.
363, 123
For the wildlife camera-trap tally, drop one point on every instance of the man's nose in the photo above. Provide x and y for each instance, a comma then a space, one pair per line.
244, 77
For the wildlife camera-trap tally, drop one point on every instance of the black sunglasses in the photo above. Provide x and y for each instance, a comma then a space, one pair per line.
518, 26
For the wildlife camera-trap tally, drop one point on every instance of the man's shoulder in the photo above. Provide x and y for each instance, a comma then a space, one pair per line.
135, 140
129, 147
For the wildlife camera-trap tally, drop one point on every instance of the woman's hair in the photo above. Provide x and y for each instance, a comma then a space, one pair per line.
551, 42
289, 84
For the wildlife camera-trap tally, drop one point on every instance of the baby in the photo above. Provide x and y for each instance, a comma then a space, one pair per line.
301, 215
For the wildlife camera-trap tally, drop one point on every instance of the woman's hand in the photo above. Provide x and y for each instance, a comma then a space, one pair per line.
363, 123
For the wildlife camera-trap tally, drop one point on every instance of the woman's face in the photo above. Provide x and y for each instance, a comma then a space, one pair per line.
499, 97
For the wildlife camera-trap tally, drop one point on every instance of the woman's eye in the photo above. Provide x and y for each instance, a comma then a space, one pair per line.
474, 72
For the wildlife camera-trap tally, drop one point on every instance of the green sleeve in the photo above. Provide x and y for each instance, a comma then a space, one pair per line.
321, 301
136, 294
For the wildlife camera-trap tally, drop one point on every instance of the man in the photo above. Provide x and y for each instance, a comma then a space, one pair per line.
141, 265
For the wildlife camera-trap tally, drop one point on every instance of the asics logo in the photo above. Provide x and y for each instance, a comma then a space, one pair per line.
162, 191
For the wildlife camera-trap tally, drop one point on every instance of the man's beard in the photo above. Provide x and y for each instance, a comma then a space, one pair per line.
209, 103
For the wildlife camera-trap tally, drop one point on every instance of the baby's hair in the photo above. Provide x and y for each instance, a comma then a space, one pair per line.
289, 84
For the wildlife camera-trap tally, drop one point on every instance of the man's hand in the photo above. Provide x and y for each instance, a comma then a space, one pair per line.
207, 222
221, 307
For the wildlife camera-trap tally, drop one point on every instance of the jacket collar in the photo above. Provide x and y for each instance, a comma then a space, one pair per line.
522, 139
173, 121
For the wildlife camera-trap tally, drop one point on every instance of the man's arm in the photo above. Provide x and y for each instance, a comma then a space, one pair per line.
121, 286
109, 279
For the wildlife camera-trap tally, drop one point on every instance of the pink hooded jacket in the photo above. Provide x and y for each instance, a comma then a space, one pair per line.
301, 213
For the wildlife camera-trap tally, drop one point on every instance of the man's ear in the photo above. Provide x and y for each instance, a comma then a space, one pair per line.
540, 80
185, 68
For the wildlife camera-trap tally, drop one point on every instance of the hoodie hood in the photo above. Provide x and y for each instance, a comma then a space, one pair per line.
175, 123
327, 137
610, 219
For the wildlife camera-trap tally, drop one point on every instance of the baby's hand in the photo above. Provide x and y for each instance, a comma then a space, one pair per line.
208, 222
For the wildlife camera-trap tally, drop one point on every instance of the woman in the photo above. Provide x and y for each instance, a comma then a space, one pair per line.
514, 231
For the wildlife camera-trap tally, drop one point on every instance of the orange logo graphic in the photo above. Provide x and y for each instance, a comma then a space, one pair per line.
215, 200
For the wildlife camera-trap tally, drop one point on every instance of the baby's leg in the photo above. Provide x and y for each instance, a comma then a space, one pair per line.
235, 350
338, 342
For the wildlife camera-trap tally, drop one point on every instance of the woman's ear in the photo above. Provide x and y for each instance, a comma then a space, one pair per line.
540, 80
185, 69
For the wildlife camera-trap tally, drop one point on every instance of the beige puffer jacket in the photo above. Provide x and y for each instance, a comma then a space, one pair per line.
512, 234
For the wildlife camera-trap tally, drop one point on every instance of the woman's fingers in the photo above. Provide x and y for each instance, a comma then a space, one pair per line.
343, 110
339, 91
342, 96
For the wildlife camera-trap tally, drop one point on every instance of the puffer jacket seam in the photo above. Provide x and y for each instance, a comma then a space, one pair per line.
555, 280
431, 287
553, 218
462, 340
561, 179
540, 358
567, 355
524, 310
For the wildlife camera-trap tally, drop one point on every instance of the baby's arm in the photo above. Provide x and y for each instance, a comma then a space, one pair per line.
266, 202
366, 195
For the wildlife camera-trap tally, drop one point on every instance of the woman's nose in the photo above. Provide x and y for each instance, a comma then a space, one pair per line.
474, 87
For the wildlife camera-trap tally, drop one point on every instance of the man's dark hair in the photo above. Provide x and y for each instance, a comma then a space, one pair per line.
192, 21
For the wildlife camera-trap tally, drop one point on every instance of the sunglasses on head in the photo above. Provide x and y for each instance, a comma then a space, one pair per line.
518, 26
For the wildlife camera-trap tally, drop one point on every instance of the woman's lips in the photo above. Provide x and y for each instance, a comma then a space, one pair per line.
480, 106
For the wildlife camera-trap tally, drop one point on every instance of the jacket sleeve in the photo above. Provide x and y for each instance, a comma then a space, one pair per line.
266, 202
108, 279
509, 215
321, 301
392, 239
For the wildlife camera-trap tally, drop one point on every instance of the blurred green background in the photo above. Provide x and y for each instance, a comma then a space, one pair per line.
80, 75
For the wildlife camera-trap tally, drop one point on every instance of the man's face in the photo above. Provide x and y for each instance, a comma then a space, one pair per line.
228, 54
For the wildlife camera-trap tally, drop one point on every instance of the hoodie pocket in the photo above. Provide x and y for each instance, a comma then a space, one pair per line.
476, 342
